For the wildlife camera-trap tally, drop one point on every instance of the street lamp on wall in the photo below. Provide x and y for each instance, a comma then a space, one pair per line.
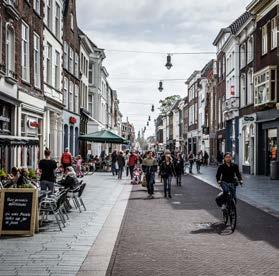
160, 86
169, 64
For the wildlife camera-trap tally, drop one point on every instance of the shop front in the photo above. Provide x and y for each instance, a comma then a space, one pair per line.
268, 140
71, 129
247, 150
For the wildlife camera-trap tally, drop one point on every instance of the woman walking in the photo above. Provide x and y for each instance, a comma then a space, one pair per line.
167, 172
121, 164
179, 168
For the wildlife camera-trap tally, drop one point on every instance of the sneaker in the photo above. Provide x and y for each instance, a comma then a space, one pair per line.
224, 207
170, 196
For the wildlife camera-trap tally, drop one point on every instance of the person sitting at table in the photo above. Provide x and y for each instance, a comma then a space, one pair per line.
70, 181
47, 168
23, 178
12, 178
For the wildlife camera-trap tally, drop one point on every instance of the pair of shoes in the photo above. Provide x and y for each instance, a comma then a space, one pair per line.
170, 196
165, 195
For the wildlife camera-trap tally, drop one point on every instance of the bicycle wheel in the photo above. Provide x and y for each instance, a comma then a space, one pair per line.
233, 216
225, 216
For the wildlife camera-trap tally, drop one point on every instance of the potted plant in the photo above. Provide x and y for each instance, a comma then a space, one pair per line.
3, 174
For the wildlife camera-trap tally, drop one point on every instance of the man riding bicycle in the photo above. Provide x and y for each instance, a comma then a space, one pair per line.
226, 177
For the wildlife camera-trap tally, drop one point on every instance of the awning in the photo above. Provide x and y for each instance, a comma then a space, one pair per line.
7, 140
103, 136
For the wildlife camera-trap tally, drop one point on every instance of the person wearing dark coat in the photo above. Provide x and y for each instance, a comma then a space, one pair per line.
167, 172
121, 164
179, 168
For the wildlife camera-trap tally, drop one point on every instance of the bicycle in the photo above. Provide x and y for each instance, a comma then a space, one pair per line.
230, 213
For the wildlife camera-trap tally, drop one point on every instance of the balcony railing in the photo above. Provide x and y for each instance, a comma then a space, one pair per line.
231, 104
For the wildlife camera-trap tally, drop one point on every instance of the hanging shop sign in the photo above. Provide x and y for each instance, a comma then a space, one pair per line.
72, 120
33, 124
18, 211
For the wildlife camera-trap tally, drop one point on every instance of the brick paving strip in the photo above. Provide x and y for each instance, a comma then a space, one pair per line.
185, 236
52, 252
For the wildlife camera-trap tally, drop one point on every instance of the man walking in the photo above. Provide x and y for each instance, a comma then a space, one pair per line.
132, 161
66, 159
113, 161
149, 166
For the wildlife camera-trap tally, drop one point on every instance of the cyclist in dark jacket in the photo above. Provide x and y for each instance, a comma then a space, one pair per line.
227, 174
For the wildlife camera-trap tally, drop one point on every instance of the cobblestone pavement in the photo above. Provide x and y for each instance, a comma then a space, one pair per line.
62, 253
184, 236
259, 191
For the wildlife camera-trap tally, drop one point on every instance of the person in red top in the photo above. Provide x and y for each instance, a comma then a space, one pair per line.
133, 159
66, 159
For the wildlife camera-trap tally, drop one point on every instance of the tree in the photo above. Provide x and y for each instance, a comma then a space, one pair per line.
167, 104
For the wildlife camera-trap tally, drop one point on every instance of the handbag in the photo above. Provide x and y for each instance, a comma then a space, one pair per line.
144, 183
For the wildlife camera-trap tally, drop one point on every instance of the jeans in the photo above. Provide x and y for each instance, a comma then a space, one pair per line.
178, 179
47, 185
229, 187
150, 179
120, 171
198, 164
131, 168
191, 166
113, 169
167, 185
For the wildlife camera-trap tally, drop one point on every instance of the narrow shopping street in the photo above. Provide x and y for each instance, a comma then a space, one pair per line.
185, 236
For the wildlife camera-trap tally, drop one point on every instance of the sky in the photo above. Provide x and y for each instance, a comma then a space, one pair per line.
138, 34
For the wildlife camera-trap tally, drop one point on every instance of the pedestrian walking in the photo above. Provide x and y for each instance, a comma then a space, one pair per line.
66, 159
167, 172
191, 161
132, 161
149, 167
199, 161
205, 158
121, 164
127, 155
78, 166
113, 161
47, 167
179, 168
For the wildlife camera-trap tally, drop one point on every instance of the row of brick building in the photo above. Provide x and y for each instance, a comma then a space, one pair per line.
53, 86
232, 103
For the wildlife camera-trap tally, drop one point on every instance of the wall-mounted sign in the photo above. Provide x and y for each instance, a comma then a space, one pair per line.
33, 124
72, 120
232, 90
249, 119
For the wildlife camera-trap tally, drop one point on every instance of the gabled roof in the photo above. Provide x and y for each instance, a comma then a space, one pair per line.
192, 76
234, 27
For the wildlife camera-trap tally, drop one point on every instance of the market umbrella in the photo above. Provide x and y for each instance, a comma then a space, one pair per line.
103, 136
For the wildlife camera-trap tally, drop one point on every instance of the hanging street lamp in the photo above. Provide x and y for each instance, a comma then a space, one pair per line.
147, 124
169, 64
152, 108
160, 86
149, 118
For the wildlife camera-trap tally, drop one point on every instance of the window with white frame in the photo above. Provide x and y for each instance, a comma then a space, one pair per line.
264, 40
10, 51
224, 67
37, 61
91, 72
250, 87
49, 64
81, 93
220, 69
25, 52
57, 20
85, 104
66, 59
90, 104
76, 99
76, 65
36, 6
71, 60
49, 14
273, 33
71, 96
65, 94
1, 41
265, 86
81, 63
57, 70
72, 21
242, 55
250, 49
243, 91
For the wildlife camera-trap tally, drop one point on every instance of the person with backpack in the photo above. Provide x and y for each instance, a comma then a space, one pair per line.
167, 172
66, 159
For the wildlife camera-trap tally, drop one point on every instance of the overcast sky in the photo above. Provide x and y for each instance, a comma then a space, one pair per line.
153, 26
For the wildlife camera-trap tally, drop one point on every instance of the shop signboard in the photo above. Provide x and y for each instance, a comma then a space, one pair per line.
18, 211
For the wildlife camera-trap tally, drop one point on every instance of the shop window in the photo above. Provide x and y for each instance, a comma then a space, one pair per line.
265, 86
272, 144
66, 136
72, 139
246, 145
5, 119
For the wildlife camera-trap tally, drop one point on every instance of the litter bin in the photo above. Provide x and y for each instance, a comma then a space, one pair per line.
274, 170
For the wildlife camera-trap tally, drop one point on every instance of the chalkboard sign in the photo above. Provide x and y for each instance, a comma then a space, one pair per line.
18, 211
